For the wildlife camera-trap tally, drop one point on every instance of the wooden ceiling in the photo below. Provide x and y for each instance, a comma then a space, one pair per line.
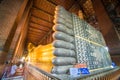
42, 15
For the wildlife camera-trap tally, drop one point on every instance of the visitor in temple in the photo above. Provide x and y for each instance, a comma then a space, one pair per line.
13, 69
20, 69
6, 71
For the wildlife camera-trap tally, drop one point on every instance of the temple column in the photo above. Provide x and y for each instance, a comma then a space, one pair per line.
10, 15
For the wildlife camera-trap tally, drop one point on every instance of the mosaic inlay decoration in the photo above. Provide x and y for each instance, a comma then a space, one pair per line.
90, 45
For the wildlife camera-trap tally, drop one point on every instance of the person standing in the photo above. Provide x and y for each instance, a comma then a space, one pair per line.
20, 69
6, 70
13, 70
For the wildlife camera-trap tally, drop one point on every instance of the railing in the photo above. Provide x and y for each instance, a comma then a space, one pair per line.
14, 78
112, 74
34, 73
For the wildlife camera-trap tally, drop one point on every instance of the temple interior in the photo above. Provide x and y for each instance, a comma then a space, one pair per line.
56, 36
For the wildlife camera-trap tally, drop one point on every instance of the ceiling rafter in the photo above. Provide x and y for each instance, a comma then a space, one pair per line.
71, 5
50, 7
33, 33
34, 22
52, 2
81, 2
45, 36
64, 3
41, 22
42, 14
36, 26
36, 30
32, 41
34, 37
41, 18
42, 10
